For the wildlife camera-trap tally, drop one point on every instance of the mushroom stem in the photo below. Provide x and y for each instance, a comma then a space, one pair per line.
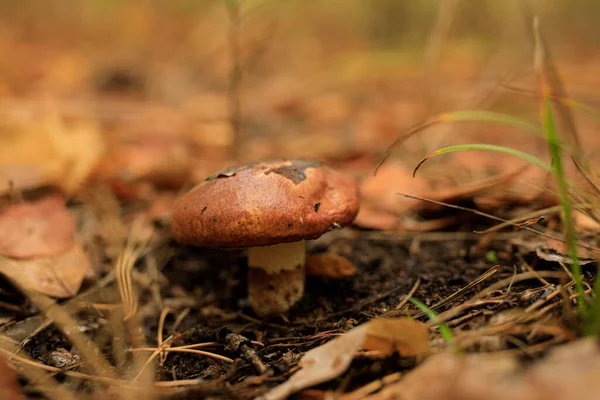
276, 277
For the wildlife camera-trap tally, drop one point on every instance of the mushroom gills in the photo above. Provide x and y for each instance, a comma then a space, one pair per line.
276, 277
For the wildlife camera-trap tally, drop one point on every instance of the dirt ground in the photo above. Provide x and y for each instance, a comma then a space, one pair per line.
388, 267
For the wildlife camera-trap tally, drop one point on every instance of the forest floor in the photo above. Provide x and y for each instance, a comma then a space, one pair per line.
98, 299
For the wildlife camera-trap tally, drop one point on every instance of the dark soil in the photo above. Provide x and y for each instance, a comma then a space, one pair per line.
388, 268
387, 272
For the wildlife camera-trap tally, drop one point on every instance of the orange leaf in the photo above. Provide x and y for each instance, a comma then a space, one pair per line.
41, 228
329, 265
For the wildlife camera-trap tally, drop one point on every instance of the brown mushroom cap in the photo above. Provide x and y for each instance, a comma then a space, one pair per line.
266, 203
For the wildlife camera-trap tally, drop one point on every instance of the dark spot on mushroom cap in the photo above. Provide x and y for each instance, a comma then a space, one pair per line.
295, 171
317, 207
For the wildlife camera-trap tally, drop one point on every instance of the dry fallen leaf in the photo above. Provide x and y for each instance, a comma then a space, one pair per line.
381, 190
41, 149
556, 251
329, 265
373, 218
160, 158
383, 207
36, 229
58, 276
332, 359
583, 222
9, 387
553, 250
570, 372
404, 336
487, 187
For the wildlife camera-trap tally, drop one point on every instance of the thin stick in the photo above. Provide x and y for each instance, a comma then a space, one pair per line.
185, 350
461, 291
235, 76
483, 214
409, 295
159, 336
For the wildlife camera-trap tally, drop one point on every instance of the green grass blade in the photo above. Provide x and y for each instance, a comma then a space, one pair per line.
490, 147
566, 101
444, 330
579, 106
567, 208
594, 326
549, 84
490, 116
463, 116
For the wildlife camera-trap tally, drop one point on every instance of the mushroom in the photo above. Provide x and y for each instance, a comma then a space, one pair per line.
271, 208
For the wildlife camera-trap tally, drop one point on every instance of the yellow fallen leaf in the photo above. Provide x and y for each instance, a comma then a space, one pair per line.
332, 359
404, 336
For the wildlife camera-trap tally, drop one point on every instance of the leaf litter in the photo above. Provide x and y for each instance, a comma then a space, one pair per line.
568, 372
402, 336
59, 276
39, 249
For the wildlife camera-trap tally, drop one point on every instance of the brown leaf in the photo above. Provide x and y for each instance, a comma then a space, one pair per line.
570, 372
41, 228
9, 386
432, 224
373, 218
404, 336
556, 251
160, 158
384, 209
332, 359
583, 222
476, 188
382, 189
58, 276
41, 149
329, 265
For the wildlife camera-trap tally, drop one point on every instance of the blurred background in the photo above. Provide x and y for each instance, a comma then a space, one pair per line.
170, 91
